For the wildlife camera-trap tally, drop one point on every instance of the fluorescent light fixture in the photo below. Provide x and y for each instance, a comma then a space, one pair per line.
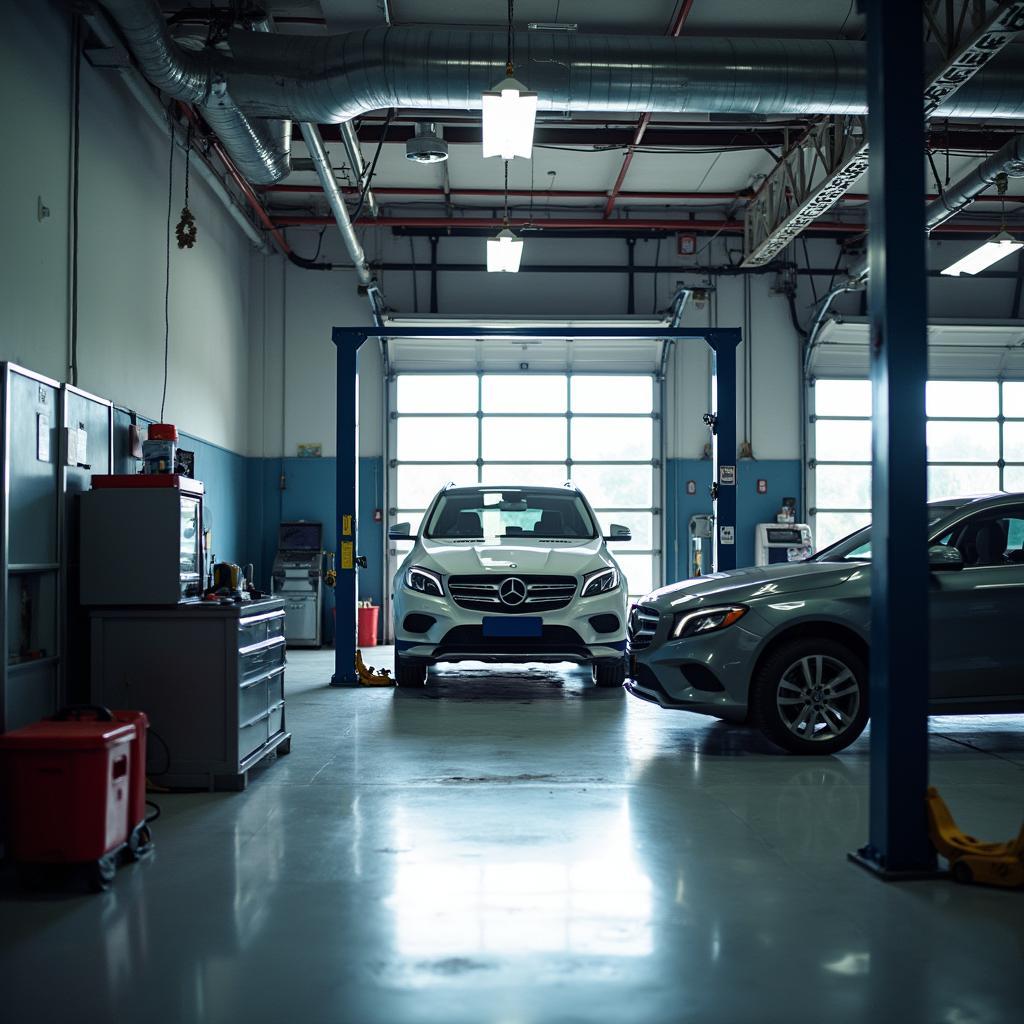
996, 248
509, 115
504, 253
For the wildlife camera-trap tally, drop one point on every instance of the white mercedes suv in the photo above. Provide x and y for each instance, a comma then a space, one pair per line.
509, 574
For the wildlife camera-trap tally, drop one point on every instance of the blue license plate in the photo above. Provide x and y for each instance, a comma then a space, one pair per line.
519, 625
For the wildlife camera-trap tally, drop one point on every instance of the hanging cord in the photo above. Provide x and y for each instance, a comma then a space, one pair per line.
1001, 184
186, 230
167, 273
372, 168
506, 191
76, 87
510, 62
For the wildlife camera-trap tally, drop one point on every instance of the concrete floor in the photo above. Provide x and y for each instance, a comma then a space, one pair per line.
524, 848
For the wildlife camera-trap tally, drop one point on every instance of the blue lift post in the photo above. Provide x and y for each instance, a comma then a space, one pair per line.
347, 340
898, 845
346, 592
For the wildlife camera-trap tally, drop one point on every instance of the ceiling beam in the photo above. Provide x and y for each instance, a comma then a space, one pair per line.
623, 225
830, 156
771, 136
645, 119
571, 193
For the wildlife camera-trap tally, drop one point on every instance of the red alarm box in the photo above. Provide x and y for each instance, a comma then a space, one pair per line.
68, 785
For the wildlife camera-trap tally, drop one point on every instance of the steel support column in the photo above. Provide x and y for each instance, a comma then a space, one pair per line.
723, 342
898, 845
346, 591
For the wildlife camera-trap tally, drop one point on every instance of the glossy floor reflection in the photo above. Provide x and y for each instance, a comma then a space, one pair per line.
521, 847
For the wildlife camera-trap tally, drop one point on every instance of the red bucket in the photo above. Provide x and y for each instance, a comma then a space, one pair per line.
368, 618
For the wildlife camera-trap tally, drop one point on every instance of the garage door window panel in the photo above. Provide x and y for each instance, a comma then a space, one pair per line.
417, 485
596, 394
624, 486
959, 441
437, 438
524, 438
539, 393
622, 437
437, 392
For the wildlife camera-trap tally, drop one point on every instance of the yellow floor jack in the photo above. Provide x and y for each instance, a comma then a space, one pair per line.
971, 860
369, 676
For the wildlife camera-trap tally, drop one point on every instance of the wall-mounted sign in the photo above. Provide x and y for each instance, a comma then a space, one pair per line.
691, 486
762, 486
727, 476
687, 245
727, 535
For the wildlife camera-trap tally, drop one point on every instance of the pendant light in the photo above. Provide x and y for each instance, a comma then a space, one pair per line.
505, 250
509, 112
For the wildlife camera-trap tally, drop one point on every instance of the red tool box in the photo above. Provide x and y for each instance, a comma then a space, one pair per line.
76, 790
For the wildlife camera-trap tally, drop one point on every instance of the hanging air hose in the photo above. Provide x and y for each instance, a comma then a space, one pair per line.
186, 230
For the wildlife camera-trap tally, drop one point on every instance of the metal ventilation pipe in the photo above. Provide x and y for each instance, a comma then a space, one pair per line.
330, 79
335, 78
322, 163
262, 151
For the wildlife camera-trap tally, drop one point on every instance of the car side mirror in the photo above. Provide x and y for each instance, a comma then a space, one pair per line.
944, 559
401, 531
619, 533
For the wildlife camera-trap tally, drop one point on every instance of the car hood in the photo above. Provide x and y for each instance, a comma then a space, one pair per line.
751, 584
554, 558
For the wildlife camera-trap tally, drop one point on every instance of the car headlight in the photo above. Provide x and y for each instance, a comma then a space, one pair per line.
707, 620
423, 581
600, 582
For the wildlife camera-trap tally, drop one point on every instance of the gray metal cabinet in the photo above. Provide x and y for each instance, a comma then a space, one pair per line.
85, 448
30, 546
209, 676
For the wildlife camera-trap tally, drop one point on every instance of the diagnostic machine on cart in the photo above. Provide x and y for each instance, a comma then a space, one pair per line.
778, 542
297, 578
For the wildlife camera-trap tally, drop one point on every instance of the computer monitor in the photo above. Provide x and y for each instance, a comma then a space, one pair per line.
300, 536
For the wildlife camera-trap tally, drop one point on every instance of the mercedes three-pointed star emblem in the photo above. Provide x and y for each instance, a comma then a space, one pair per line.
512, 591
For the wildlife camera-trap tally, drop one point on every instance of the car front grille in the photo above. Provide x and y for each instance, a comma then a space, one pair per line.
533, 595
643, 624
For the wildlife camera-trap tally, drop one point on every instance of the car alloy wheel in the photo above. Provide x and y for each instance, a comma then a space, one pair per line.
818, 698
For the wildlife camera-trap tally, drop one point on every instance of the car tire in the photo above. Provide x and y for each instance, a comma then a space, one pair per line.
410, 673
609, 673
810, 696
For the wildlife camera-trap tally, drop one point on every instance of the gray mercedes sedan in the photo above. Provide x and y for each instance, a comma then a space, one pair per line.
785, 647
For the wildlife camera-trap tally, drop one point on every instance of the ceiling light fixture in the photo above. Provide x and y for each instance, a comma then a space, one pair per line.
509, 112
994, 249
998, 247
505, 250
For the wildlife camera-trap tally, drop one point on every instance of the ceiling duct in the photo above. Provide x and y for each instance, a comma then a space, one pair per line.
260, 149
330, 79
426, 146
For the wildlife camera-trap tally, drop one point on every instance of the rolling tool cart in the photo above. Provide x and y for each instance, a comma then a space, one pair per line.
71, 794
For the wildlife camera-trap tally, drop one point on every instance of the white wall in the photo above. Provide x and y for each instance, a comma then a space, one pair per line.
122, 220
315, 301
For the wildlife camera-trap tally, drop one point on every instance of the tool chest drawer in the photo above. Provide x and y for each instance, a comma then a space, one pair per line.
252, 735
252, 699
261, 659
275, 721
254, 629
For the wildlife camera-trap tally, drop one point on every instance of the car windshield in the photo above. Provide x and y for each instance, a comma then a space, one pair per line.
857, 546
518, 513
